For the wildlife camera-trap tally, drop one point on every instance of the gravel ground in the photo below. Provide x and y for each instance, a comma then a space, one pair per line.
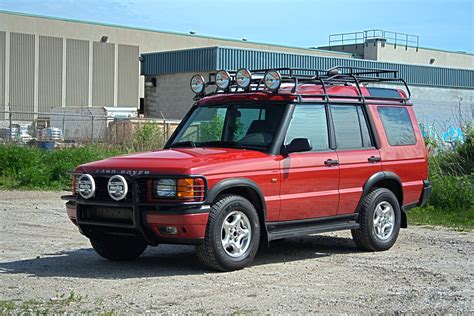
46, 265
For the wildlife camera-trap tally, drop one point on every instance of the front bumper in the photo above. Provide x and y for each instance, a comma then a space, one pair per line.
146, 220
426, 193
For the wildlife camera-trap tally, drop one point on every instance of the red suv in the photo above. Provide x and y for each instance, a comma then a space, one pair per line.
262, 156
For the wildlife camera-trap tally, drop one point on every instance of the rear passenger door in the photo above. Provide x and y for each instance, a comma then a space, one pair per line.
358, 157
309, 184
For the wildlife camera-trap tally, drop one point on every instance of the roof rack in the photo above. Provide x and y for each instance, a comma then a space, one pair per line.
339, 75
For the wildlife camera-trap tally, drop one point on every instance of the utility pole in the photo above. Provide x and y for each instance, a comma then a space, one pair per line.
10, 121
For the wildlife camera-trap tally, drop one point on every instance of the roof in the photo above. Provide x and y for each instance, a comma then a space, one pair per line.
231, 58
169, 32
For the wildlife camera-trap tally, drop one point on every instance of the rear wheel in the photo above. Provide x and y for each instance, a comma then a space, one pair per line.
232, 234
119, 249
379, 219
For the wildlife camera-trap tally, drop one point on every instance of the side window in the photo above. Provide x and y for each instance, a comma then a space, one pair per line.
350, 126
397, 125
309, 121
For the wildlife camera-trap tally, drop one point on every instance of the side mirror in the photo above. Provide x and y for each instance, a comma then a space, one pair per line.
298, 145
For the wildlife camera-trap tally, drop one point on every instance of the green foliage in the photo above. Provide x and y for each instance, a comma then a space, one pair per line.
147, 138
33, 168
430, 215
452, 193
452, 175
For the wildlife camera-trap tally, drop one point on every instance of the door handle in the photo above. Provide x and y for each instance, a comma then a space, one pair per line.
331, 162
374, 159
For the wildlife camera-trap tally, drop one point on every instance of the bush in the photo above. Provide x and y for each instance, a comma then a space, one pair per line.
33, 168
452, 174
146, 138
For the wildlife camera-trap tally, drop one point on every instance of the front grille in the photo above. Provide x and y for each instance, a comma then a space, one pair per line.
142, 189
101, 193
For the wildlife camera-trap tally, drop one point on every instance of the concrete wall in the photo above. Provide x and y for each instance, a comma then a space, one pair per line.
171, 98
379, 51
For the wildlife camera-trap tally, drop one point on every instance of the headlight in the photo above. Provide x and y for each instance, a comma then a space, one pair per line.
243, 78
164, 188
222, 79
197, 84
189, 189
272, 80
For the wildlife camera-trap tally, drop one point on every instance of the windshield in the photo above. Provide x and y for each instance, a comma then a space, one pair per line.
240, 126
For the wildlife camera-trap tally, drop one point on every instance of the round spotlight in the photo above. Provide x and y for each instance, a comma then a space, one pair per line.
117, 187
198, 84
272, 80
222, 79
243, 78
86, 186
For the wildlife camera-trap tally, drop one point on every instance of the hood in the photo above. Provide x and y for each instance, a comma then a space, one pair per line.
173, 161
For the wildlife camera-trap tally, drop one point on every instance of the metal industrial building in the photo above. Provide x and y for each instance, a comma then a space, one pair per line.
442, 95
49, 62
57, 65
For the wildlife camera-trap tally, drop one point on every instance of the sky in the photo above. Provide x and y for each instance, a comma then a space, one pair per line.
439, 24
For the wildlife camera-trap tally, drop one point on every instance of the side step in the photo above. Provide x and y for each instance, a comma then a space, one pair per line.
279, 230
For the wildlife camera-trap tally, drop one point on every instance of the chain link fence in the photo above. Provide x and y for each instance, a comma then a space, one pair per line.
65, 128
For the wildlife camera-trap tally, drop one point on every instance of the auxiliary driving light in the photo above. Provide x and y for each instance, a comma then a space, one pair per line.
86, 186
117, 187
243, 78
272, 80
198, 84
222, 79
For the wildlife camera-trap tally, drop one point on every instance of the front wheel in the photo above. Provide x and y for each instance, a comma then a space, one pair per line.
232, 234
119, 249
379, 220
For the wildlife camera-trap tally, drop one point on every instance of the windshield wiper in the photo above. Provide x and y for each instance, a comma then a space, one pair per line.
188, 143
218, 143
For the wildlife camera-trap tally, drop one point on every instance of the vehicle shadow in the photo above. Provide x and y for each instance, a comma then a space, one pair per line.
167, 260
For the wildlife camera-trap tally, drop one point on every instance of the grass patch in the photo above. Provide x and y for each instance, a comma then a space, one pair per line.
34, 168
34, 307
7, 307
429, 215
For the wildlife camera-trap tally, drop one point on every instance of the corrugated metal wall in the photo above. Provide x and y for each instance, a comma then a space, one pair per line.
103, 74
50, 73
127, 86
22, 73
193, 60
230, 58
2, 73
77, 72
205, 59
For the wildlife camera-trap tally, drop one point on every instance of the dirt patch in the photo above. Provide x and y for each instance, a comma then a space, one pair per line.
46, 265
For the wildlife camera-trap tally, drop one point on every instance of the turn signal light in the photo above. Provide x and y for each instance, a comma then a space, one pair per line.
191, 189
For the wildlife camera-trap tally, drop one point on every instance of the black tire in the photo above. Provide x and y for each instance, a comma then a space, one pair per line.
212, 252
366, 237
119, 249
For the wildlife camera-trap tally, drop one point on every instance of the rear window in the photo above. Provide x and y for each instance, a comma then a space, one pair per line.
397, 125
350, 127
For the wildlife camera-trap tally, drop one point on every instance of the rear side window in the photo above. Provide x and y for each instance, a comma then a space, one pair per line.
350, 126
309, 121
397, 125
